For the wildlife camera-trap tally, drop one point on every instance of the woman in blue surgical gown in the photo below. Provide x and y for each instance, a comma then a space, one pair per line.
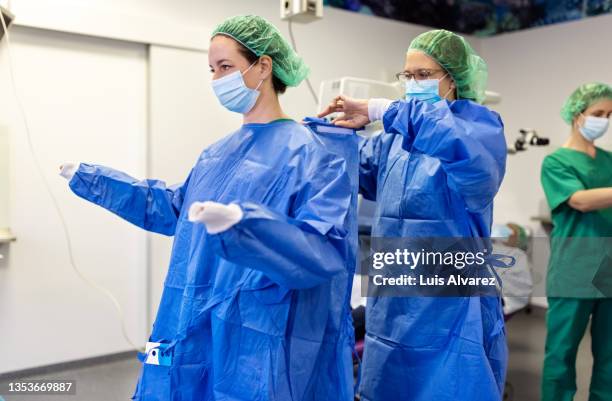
434, 172
256, 299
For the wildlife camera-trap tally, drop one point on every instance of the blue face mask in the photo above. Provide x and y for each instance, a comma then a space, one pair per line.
501, 231
427, 90
594, 127
233, 93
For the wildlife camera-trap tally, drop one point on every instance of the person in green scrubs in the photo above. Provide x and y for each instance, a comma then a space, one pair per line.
577, 181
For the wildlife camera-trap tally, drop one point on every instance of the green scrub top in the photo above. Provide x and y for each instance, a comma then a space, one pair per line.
580, 264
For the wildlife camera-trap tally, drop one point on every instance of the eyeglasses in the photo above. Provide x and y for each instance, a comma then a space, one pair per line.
418, 75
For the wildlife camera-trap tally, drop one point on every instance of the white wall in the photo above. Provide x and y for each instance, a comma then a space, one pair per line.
535, 71
5, 152
161, 22
340, 44
85, 99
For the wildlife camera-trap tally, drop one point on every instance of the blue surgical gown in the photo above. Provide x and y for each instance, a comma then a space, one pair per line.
260, 311
434, 172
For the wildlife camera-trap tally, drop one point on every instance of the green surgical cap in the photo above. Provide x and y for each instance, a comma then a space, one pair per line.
457, 57
263, 38
583, 97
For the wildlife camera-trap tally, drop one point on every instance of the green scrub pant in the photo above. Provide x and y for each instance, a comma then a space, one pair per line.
566, 321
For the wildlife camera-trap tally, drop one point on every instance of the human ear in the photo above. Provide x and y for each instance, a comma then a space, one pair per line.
265, 67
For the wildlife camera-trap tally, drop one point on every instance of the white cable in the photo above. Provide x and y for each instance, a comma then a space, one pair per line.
39, 169
312, 91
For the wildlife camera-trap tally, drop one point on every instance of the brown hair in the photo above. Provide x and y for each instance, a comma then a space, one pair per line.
279, 86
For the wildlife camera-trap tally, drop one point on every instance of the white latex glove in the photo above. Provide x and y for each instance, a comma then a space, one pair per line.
67, 170
216, 216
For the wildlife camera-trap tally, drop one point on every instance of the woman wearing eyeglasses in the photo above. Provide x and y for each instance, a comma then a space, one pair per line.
434, 172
